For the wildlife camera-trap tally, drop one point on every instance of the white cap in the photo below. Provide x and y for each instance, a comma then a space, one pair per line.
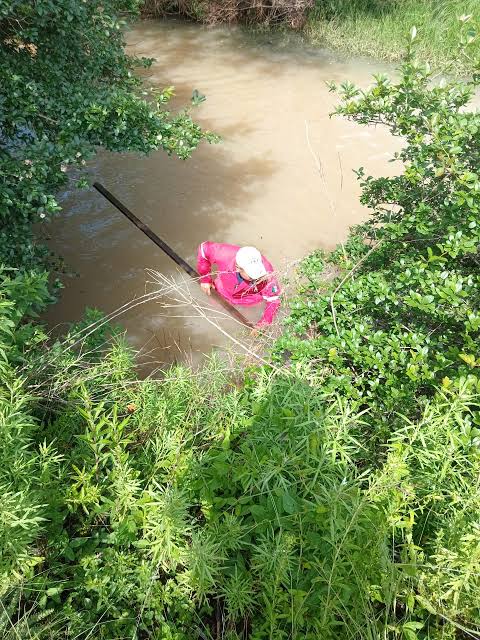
250, 260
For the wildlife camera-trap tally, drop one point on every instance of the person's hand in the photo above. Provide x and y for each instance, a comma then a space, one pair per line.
206, 287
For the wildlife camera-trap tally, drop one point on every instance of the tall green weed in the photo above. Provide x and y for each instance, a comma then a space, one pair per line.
378, 27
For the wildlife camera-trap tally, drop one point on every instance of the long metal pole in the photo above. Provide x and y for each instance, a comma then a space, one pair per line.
168, 250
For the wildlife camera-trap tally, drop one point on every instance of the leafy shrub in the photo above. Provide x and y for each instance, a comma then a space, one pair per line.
403, 315
67, 88
187, 507
263, 512
24, 466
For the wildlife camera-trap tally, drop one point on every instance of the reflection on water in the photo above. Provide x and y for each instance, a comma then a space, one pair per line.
281, 179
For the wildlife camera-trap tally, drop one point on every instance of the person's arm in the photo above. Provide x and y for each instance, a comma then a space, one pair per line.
204, 263
271, 295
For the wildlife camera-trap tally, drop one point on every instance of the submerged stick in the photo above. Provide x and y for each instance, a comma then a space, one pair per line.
168, 250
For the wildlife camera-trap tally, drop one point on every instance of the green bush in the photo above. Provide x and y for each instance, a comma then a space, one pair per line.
187, 507
67, 88
403, 317
24, 466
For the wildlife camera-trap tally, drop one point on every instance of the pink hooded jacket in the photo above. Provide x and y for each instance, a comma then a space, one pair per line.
231, 286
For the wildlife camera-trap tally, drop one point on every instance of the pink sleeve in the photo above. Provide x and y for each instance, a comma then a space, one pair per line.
271, 295
204, 263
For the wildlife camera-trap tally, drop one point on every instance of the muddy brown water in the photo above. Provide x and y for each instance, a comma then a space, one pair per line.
281, 179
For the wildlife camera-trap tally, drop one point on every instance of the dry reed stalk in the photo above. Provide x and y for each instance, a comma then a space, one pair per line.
266, 12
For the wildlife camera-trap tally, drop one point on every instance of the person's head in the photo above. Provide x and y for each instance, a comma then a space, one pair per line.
250, 264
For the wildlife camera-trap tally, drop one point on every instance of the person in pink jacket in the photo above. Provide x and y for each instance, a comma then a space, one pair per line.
243, 276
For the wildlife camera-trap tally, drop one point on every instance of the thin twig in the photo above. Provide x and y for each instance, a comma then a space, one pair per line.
188, 300
341, 170
320, 170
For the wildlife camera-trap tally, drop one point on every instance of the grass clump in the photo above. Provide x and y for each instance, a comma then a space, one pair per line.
378, 28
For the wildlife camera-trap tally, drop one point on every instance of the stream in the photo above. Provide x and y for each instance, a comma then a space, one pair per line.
281, 179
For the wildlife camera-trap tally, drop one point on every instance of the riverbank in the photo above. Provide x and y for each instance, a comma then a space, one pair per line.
358, 27
382, 31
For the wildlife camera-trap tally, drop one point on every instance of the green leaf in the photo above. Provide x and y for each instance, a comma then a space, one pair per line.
289, 503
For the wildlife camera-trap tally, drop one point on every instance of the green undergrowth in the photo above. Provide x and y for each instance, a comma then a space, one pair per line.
402, 318
377, 28
191, 507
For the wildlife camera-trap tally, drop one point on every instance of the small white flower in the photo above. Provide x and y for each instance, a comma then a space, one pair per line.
63, 168
83, 162
78, 154
28, 162
159, 137
42, 215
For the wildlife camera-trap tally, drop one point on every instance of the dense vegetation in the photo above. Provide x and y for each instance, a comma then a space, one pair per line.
409, 319
333, 494
378, 27
369, 27
294, 14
